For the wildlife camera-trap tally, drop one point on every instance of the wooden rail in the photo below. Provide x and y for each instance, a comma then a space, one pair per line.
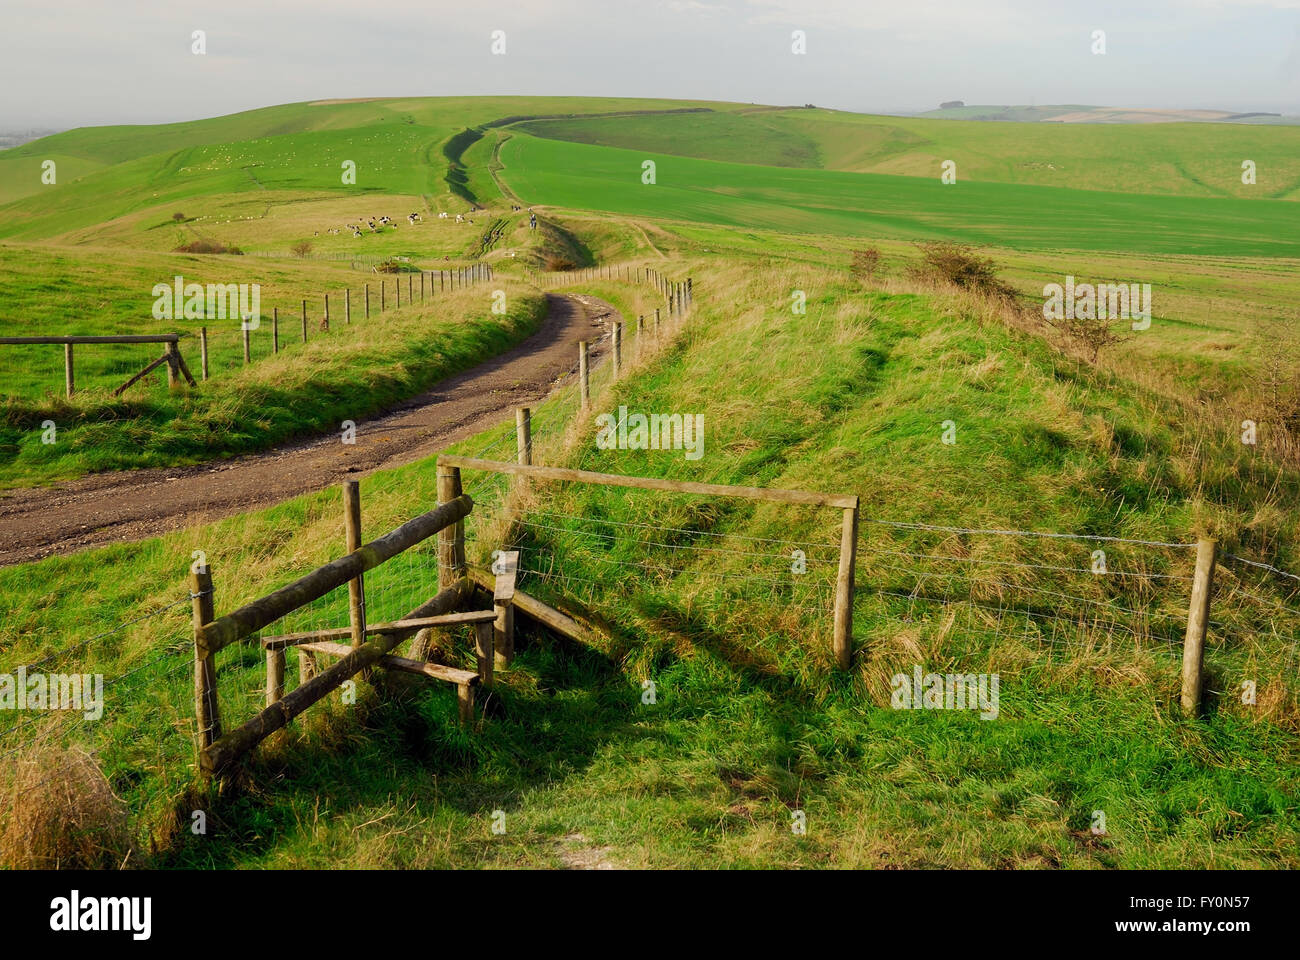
841, 500
452, 559
253, 616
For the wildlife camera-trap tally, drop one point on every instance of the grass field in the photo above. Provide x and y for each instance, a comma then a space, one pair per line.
751, 722
581, 176
352, 371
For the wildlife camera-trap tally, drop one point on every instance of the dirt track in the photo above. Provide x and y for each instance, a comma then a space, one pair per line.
133, 505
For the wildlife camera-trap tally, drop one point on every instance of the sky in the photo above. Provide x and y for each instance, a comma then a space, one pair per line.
70, 63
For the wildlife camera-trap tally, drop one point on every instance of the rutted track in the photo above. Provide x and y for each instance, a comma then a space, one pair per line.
133, 505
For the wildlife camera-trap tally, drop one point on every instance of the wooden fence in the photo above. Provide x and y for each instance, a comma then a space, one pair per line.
449, 467
370, 643
176, 366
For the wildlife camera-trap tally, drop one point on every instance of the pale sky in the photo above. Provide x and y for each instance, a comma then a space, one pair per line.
80, 62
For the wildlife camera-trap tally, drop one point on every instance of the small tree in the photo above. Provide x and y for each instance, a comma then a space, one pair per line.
301, 248
1091, 335
178, 216
865, 263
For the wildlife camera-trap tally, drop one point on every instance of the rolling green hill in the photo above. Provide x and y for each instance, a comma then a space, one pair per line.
583, 176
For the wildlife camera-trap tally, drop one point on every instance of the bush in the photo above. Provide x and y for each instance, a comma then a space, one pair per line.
207, 246
555, 263
946, 262
301, 249
865, 263
178, 216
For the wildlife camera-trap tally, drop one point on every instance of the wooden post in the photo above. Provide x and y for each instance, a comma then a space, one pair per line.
410, 288
617, 341
173, 366
383, 296
203, 351
306, 665
327, 311
844, 589
206, 710
274, 675
656, 323
584, 376
248, 347
640, 328
484, 635
275, 330
451, 540
68, 380
356, 586
397, 293
1198, 618
367, 301
421, 286
524, 435
304, 321
442, 281
506, 569
347, 305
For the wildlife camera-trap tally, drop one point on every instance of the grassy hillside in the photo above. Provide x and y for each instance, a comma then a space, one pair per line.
697, 595
1184, 159
351, 371
582, 176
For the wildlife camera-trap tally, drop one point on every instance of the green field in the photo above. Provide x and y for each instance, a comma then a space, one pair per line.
763, 209
582, 176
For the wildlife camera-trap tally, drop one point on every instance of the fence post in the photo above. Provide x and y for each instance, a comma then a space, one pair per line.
275, 330
410, 288
1198, 618
306, 665
484, 633
304, 321
206, 710
67, 369
524, 435
844, 589
421, 286
203, 352
248, 347
584, 374
442, 281
617, 351
451, 540
367, 301
656, 323
347, 305
173, 366
357, 585
503, 596
274, 675
640, 329
397, 293
327, 311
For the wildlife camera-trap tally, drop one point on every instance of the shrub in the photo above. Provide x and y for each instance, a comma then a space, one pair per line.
946, 262
865, 263
178, 216
207, 246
